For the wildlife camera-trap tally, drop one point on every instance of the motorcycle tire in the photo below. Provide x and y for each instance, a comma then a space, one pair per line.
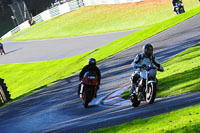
85, 103
86, 99
4, 93
134, 100
151, 95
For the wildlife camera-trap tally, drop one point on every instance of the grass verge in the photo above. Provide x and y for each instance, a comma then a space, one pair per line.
25, 31
181, 121
105, 18
182, 74
27, 77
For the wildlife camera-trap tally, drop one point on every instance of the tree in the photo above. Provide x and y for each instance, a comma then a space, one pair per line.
4, 4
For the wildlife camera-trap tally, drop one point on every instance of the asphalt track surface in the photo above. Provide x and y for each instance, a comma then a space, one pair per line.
52, 49
57, 108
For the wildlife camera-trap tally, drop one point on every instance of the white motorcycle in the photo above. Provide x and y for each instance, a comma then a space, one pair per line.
145, 87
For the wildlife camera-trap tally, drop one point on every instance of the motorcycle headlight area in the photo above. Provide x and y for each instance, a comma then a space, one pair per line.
91, 77
152, 73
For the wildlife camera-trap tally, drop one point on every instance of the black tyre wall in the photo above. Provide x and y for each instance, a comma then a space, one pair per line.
5, 89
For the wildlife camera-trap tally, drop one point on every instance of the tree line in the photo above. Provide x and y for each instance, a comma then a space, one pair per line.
4, 4
37, 5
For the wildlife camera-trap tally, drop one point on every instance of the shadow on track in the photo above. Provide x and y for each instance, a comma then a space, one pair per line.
13, 51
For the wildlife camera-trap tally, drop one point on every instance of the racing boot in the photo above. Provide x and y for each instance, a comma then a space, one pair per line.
132, 88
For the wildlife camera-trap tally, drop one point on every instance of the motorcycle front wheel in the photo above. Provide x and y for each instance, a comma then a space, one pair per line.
151, 94
134, 100
87, 97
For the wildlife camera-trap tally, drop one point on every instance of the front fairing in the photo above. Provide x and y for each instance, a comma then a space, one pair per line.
90, 80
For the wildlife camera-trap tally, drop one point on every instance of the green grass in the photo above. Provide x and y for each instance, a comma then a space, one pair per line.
185, 120
25, 30
182, 74
23, 79
105, 18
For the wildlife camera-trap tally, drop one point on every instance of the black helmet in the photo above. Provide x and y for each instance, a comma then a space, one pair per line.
92, 61
148, 50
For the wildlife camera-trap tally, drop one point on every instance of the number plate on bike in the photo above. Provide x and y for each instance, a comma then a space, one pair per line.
91, 77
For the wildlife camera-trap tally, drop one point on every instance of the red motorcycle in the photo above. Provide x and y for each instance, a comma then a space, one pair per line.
89, 86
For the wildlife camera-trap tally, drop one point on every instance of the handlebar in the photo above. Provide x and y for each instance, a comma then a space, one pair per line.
148, 67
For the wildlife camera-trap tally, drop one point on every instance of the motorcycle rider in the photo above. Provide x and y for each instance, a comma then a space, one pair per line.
2, 49
174, 4
92, 68
144, 60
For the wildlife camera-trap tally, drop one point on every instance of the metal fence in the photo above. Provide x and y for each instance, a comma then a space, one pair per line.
20, 12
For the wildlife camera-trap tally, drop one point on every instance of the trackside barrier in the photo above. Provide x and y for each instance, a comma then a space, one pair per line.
100, 2
58, 10
20, 27
62, 9
38, 18
54, 12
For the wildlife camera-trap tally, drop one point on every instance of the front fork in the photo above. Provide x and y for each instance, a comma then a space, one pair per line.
81, 91
147, 83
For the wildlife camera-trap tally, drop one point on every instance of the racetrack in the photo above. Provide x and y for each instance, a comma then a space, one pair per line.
53, 49
57, 108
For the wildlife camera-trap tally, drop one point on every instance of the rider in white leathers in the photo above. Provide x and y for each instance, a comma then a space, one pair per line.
143, 60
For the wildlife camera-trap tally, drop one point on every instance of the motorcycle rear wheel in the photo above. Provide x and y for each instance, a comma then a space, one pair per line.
134, 100
151, 95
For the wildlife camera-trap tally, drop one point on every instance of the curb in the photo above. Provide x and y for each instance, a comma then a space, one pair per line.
115, 99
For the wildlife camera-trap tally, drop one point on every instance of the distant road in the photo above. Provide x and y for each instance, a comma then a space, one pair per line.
52, 49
